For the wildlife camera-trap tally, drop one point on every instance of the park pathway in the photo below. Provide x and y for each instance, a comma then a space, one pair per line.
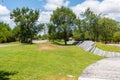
34, 41
5, 45
106, 69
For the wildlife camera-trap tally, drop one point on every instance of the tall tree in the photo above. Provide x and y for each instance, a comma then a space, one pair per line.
107, 28
91, 20
51, 32
26, 19
63, 19
116, 36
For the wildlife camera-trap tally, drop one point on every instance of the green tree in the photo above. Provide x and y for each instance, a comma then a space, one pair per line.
116, 36
63, 19
51, 32
5, 33
107, 28
91, 20
26, 19
16, 32
80, 30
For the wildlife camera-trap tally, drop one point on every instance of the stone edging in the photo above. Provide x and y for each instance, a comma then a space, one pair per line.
91, 47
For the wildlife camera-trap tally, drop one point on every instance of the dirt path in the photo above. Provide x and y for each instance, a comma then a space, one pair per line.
5, 45
106, 69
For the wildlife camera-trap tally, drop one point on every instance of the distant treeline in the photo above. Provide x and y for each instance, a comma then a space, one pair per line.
63, 25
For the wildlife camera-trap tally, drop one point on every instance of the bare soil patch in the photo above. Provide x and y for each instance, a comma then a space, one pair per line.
60, 78
50, 47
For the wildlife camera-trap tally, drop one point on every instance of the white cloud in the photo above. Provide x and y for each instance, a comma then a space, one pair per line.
93, 4
4, 10
5, 19
44, 17
108, 7
53, 4
5, 16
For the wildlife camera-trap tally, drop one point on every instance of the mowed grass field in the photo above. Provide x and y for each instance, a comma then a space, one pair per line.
106, 47
43, 62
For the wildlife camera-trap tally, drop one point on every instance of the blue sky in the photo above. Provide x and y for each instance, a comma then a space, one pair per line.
46, 7
37, 4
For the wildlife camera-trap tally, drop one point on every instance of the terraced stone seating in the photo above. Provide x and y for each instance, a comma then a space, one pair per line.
91, 47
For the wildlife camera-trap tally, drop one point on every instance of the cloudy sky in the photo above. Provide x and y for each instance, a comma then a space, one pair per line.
108, 8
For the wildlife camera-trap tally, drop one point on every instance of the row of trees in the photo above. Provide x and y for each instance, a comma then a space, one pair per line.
63, 25
94, 27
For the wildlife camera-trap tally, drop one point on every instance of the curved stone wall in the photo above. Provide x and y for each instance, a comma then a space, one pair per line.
91, 47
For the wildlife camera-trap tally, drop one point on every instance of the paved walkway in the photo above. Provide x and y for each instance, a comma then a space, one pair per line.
5, 45
34, 41
40, 41
106, 69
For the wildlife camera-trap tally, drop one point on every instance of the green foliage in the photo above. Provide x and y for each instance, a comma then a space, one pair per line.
51, 32
26, 19
107, 28
16, 32
62, 18
94, 27
91, 22
106, 47
116, 36
44, 37
33, 63
5, 33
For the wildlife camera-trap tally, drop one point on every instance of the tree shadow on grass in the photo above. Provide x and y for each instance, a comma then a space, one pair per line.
4, 75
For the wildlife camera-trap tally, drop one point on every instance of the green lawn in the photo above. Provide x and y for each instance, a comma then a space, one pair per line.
108, 47
43, 62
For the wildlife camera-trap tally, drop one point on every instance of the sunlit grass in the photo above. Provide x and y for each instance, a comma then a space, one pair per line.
32, 62
107, 47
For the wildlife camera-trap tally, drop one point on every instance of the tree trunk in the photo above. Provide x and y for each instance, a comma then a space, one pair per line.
65, 41
65, 37
30, 39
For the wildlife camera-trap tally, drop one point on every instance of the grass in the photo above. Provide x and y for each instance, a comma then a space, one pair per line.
108, 47
45, 61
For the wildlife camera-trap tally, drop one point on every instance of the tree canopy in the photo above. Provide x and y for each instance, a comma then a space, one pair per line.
5, 33
63, 25
63, 18
26, 19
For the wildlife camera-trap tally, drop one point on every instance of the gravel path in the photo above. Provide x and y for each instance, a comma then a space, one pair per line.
40, 41
106, 69
34, 41
114, 45
5, 45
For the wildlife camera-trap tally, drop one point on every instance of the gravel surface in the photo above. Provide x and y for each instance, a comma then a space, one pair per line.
5, 45
106, 69
40, 41
114, 45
